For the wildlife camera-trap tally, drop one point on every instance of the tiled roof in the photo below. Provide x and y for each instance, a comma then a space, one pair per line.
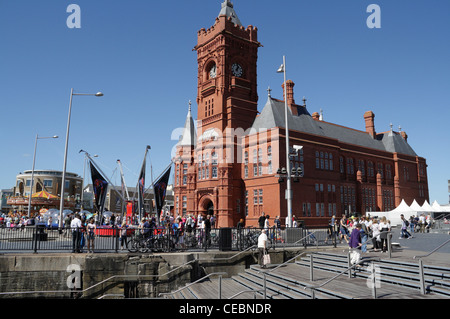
273, 115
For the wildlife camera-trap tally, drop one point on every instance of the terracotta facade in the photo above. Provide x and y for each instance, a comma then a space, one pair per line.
228, 164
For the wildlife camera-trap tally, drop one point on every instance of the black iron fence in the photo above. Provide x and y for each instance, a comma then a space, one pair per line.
112, 239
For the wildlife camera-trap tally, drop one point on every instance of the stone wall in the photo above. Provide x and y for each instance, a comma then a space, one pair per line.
96, 275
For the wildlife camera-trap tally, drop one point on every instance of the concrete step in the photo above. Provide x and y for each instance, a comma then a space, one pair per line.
274, 290
393, 272
291, 286
398, 280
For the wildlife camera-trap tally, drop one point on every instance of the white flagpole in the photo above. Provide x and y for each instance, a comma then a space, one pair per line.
288, 168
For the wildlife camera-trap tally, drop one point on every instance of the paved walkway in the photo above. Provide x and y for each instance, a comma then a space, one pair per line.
421, 244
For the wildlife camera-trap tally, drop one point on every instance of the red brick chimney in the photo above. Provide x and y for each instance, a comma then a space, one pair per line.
370, 123
290, 95
404, 135
315, 116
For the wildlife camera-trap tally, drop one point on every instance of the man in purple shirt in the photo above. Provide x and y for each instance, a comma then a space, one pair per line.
355, 244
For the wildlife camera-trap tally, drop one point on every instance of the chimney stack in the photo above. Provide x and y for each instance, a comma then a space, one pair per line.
288, 93
370, 123
404, 135
315, 116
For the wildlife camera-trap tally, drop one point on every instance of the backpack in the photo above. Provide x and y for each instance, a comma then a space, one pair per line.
364, 228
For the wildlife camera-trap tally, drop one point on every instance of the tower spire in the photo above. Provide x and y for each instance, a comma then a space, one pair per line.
228, 10
189, 137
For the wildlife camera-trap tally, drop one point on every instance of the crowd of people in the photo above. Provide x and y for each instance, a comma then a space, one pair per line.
15, 220
179, 227
360, 231
357, 232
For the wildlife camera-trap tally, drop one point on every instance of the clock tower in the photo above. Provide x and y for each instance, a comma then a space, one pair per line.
227, 99
227, 88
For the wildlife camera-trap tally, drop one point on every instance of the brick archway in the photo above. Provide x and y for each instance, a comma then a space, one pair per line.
206, 206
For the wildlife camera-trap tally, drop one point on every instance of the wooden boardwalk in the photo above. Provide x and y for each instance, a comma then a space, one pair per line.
292, 281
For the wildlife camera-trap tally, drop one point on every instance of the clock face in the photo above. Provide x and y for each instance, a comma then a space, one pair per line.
213, 72
237, 70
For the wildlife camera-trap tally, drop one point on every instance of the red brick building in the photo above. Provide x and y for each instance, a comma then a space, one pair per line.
228, 165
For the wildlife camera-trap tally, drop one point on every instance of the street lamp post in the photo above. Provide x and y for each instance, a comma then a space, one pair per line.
32, 171
63, 182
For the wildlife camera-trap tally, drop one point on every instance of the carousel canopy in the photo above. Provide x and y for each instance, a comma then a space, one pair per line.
44, 194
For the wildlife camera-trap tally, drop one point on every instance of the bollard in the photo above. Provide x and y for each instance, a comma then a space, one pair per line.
389, 246
349, 265
421, 278
374, 281
220, 287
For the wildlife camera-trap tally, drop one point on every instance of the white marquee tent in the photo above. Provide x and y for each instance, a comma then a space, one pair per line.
414, 210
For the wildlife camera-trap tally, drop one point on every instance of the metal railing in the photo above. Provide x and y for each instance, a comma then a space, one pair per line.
41, 238
389, 248
254, 292
280, 265
108, 239
374, 293
421, 267
220, 274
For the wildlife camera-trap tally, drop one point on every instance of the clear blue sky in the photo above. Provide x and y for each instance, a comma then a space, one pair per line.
139, 54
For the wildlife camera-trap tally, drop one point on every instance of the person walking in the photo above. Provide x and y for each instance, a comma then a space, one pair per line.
207, 229
422, 223
375, 227
343, 229
123, 235
90, 229
412, 225
67, 221
404, 230
384, 232
75, 226
266, 222
262, 247
355, 244
261, 220
364, 231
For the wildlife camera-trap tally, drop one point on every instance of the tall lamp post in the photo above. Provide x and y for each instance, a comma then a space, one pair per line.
282, 69
32, 171
63, 182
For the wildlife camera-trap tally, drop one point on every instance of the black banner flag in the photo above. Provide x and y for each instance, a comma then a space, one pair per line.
141, 190
160, 190
100, 186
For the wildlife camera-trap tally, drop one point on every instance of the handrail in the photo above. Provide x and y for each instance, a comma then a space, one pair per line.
265, 272
306, 237
192, 283
433, 251
245, 291
342, 272
111, 295
421, 267
228, 258
303, 253
339, 274
286, 262
441, 217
